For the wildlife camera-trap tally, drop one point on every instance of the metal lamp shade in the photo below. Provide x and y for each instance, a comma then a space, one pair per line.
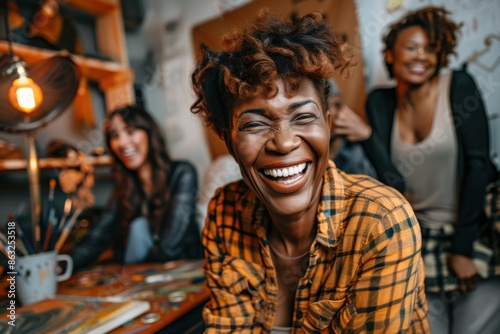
58, 77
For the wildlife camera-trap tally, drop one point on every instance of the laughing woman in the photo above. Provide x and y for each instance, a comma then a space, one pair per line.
153, 208
428, 138
298, 246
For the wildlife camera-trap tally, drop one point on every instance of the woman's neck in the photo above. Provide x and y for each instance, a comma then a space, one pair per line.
410, 95
293, 235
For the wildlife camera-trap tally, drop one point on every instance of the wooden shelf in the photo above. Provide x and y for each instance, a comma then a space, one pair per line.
94, 7
115, 77
48, 163
94, 69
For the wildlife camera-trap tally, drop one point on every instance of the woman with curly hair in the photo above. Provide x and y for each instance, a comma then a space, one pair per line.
298, 246
153, 210
428, 138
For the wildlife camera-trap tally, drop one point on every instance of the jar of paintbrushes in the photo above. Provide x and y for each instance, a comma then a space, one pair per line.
37, 273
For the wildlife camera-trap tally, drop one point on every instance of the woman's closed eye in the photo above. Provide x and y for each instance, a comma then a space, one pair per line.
304, 119
251, 125
414, 49
130, 130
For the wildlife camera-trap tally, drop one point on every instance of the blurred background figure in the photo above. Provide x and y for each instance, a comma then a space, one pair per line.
347, 155
223, 170
425, 139
152, 215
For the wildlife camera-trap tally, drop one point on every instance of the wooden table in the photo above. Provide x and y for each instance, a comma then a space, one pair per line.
173, 289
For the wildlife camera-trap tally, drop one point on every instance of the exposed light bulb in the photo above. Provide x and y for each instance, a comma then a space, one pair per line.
24, 94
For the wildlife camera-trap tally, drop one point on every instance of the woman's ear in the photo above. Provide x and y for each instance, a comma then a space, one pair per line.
389, 56
329, 120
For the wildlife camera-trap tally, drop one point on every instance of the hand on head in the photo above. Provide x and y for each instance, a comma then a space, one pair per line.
348, 124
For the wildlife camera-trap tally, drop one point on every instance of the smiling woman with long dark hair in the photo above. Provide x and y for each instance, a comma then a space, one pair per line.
298, 245
152, 215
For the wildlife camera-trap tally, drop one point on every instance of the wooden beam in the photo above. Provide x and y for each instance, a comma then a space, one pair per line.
94, 7
94, 69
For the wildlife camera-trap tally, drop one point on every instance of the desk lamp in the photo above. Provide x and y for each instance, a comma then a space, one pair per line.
32, 96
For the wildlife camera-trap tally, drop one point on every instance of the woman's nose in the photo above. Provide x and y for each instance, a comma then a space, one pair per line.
283, 141
122, 140
421, 52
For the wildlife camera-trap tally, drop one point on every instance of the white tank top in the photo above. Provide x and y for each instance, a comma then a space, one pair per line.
430, 166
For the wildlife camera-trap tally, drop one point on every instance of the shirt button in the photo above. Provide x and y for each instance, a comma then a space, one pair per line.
299, 314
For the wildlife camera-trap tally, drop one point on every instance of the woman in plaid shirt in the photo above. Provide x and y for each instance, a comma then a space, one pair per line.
298, 246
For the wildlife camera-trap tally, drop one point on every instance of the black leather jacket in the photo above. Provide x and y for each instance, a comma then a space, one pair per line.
181, 241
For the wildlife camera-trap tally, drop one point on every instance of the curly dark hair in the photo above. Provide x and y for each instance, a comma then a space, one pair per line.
255, 57
442, 33
128, 190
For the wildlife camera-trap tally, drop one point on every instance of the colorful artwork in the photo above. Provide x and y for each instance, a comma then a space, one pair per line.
63, 315
172, 289
92, 300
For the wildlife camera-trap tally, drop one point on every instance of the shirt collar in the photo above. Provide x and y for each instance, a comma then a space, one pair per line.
331, 208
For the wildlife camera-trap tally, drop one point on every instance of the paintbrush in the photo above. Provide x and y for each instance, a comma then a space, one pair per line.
24, 239
19, 241
4, 245
67, 229
20, 245
67, 209
9, 246
51, 216
57, 231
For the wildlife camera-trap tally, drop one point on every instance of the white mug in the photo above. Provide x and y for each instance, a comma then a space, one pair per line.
37, 276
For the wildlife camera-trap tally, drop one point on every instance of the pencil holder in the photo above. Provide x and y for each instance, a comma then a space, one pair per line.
37, 276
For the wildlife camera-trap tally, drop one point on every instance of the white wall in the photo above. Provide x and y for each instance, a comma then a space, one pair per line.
480, 17
167, 81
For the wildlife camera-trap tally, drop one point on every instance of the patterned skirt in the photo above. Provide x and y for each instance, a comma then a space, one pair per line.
436, 255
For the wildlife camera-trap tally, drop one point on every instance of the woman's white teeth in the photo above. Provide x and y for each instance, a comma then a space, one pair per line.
285, 172
417, 68
129, 151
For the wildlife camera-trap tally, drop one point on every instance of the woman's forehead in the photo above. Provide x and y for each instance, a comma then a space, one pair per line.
116, 120
305, 89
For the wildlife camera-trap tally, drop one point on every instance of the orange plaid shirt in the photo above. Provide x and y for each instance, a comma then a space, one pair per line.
364, 275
